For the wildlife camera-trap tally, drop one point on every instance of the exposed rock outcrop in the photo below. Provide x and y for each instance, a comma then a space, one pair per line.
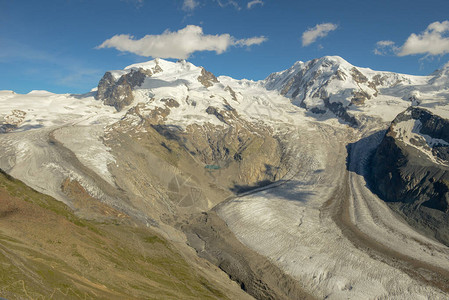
207, 78
12, 121
411, 169
119, 93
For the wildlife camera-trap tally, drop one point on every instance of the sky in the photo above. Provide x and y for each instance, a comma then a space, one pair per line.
65, 46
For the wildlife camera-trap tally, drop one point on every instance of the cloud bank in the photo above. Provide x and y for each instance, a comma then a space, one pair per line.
177, 44
319, 31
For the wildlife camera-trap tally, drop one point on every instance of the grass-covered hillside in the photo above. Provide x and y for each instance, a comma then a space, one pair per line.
47, 252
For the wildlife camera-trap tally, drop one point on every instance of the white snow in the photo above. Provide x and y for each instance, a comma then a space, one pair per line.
86, 143
45, 111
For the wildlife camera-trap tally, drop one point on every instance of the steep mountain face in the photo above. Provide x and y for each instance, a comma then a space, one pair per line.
411, 166
118, 93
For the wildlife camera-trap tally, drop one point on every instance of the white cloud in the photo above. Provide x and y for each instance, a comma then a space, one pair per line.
386, 48
189, 5
254, 2
251, 41
384, 43
177, 44
433, 41
319, 31
222, 3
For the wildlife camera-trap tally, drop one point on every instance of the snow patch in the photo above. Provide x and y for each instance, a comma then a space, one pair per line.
410, 133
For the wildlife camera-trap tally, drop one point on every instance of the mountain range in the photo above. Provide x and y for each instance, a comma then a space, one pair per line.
325, 180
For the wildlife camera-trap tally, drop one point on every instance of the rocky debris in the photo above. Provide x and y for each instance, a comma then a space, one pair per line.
206, 78
157, 68
170, 102
155, 116
12, 121
232, 92
405, 174
340, 75
357, 76
119, 93
340, 111
213, 111
86, 205
360, 97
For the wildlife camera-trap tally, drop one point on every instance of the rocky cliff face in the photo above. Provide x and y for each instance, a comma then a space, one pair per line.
118, 93
411, 170
207, 78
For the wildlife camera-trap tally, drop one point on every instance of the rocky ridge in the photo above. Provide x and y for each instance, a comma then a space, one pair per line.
411, 169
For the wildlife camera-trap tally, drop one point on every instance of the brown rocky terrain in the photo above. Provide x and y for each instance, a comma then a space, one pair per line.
195, 168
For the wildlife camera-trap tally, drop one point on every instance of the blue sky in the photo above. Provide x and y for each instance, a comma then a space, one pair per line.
65, 46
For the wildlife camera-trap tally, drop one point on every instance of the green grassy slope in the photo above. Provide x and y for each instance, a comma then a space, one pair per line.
47, 252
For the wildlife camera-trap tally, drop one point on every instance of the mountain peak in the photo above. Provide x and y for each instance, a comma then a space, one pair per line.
116, 87
163, 67
334, 59
329, 60
151, 64
441, 76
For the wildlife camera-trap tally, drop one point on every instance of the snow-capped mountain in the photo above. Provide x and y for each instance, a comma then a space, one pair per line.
332, 84
333, 78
